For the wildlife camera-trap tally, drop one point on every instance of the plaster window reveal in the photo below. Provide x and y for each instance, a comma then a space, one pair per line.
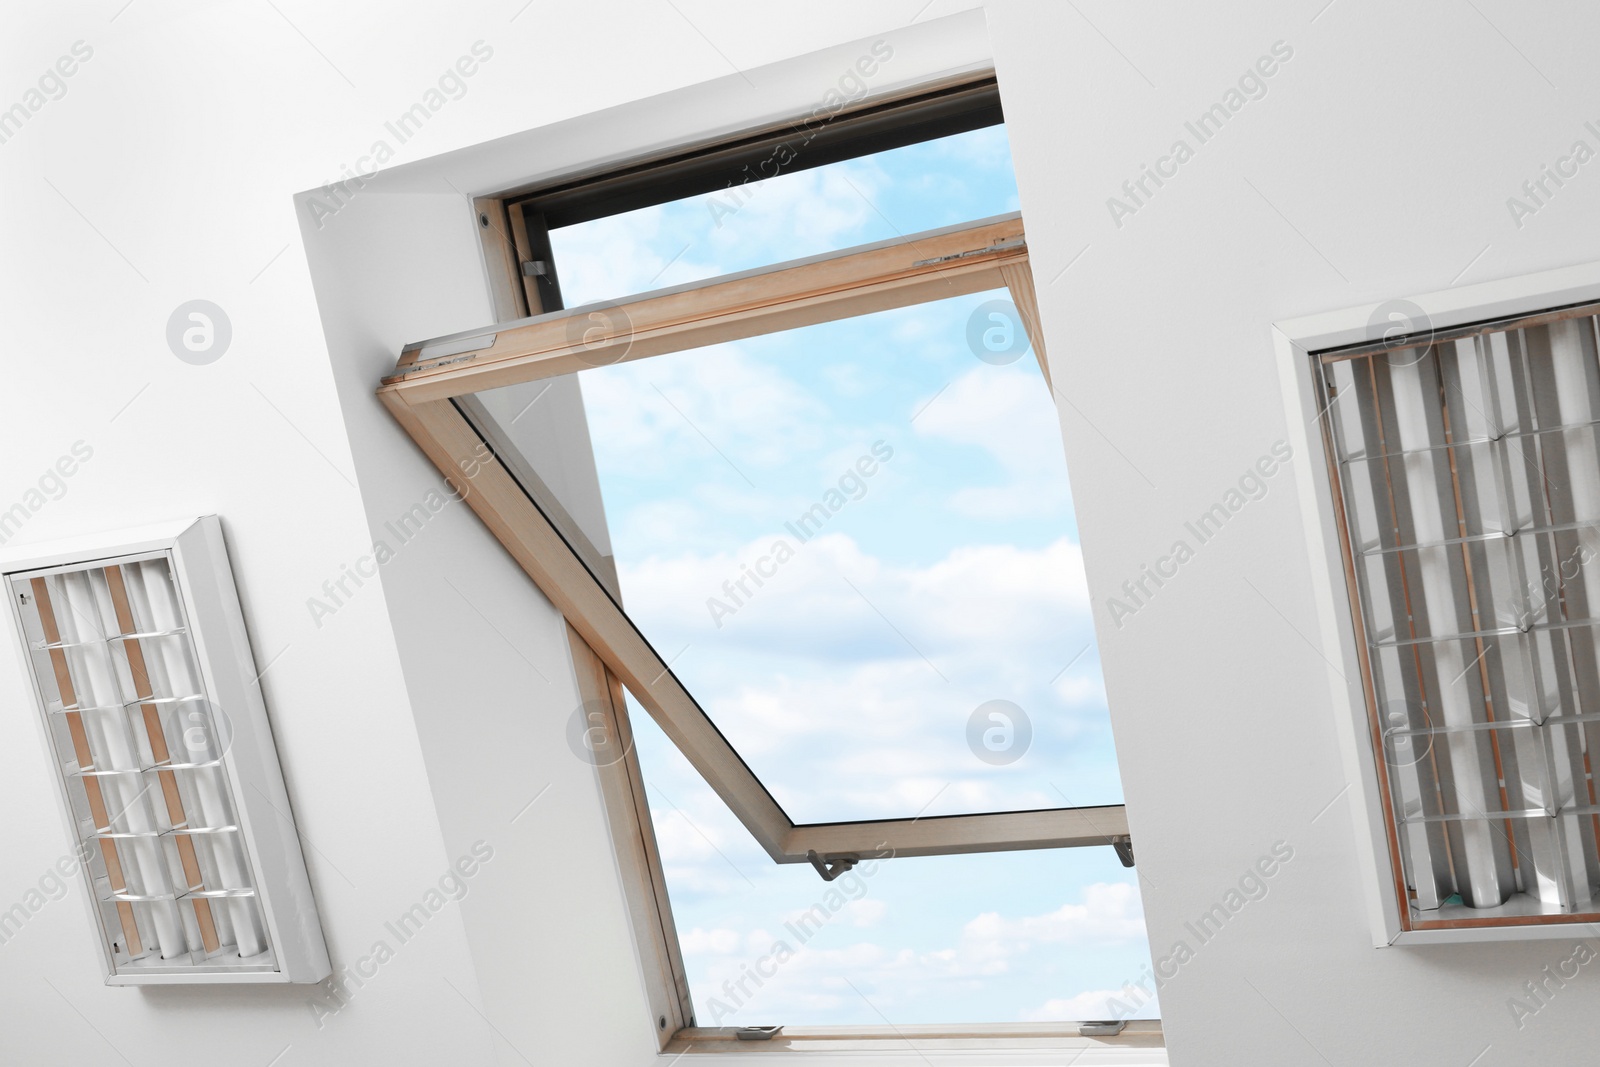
451, 85
339, 990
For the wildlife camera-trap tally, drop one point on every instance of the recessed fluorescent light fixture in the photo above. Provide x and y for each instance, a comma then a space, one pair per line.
159, 741
1461, 513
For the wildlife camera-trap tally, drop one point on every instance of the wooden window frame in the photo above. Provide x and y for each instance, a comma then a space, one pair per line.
435, 377
430, 395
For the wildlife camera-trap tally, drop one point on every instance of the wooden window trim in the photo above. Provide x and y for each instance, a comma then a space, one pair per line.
1013, 1038
840, 285
500, 258
622, 786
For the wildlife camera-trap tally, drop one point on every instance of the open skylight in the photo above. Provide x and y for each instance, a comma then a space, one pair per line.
854, 544
787, 457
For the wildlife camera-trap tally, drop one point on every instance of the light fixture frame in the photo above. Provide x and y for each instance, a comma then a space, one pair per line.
197, 555
1296, 342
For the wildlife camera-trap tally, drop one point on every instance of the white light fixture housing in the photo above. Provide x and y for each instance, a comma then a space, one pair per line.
158, 738
1437, 530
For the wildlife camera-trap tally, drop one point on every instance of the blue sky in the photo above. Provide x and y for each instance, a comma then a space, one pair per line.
947, 574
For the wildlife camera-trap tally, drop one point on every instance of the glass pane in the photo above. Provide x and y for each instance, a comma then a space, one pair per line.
854, 544
944, 182
1045, 935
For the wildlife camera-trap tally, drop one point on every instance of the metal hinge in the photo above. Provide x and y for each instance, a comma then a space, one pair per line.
432, 354
1003, 246
833, 864
757, 1033
1108, 1028
417, 367
1124, 846
535, 268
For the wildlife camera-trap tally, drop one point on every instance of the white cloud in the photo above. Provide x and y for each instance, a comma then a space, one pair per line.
800, 214
866, 912
703, 942
977, 602
1008, 412
649, 415
811, 980
1082, 688
820, 681
695, 843
1109, 913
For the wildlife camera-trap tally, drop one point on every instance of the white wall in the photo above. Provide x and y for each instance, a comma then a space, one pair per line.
1388, 143
1377, 166
165, 173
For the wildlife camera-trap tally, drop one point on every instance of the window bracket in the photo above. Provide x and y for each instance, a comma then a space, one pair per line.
1108, 1028
833, 864
1124, 846
414, 368
439, 363
757, 1033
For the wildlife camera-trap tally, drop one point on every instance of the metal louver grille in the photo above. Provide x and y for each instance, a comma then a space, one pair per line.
140, 750
1468, 477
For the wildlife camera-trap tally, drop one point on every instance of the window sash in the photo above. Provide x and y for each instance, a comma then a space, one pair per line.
435, 378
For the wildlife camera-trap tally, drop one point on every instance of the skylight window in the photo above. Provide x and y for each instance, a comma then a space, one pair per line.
860, 530
805, 504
